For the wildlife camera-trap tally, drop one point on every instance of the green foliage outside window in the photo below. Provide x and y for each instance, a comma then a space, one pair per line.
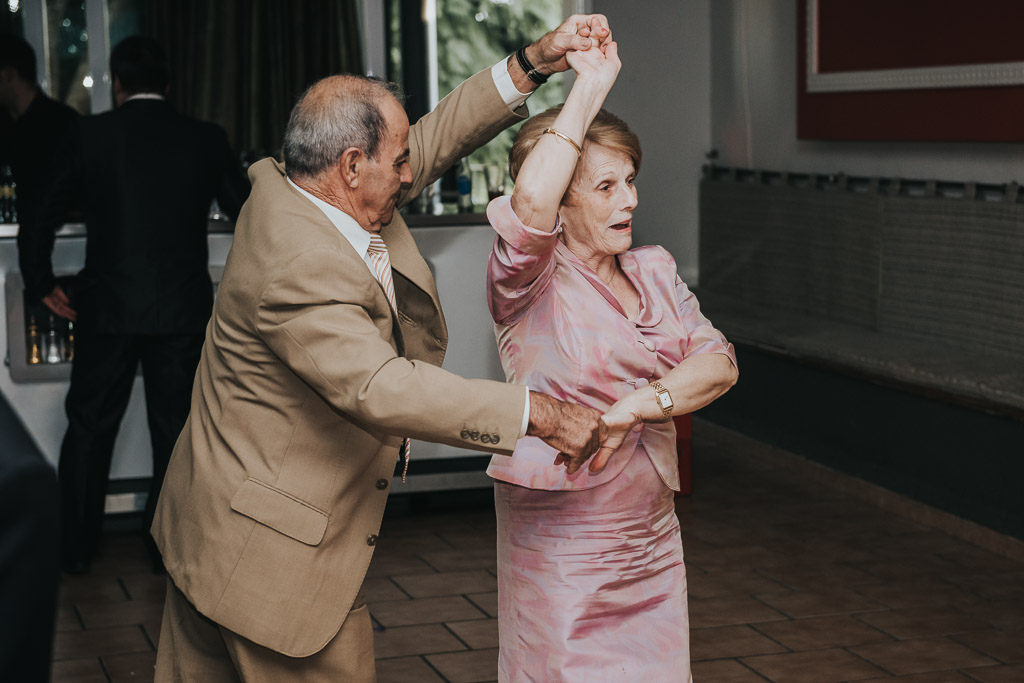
474, 34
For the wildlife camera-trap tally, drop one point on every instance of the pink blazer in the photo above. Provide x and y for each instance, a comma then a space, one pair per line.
561, 331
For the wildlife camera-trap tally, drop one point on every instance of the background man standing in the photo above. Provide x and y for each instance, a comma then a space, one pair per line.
321, 358
147, 176
31, 124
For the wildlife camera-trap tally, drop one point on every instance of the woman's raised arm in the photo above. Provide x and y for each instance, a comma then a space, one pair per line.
548, 168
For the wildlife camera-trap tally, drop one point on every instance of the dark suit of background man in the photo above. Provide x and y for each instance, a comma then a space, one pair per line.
147, 177
31, 123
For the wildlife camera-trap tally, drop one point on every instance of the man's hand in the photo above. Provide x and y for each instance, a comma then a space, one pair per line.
58, 302
578, 32
575, 430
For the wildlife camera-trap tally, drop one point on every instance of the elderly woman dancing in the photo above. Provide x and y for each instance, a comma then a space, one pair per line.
591, 581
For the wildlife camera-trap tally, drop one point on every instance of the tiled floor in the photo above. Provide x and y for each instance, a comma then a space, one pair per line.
788, 582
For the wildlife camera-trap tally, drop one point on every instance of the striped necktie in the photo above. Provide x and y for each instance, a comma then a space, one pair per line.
378, 252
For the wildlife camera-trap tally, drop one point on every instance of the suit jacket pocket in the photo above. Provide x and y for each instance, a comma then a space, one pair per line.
281, 511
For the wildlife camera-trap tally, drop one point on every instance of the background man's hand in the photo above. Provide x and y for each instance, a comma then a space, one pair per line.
575, 430
578, 32
58, 302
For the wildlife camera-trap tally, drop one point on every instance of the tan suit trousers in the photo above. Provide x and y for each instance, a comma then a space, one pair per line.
193, 648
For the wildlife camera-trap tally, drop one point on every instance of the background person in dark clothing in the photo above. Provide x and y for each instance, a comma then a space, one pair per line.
29, 527
31, 124
147, 176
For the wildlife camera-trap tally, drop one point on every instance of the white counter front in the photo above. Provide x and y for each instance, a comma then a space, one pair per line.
456, 255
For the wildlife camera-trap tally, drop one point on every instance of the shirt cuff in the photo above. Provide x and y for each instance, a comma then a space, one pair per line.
526, 415
506, 88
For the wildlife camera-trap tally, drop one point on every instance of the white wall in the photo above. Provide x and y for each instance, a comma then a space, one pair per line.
753, 110
663, 93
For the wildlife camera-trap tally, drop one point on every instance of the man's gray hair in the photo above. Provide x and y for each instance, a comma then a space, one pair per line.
334, 114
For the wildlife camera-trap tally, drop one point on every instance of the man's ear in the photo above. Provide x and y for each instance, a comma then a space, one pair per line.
351, 166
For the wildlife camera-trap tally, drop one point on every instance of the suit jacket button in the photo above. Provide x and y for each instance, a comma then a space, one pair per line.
382, 484
371, 540
495, 438
475, 435
464, 433
486, 438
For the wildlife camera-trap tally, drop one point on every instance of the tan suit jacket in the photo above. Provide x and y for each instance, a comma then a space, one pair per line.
308, 382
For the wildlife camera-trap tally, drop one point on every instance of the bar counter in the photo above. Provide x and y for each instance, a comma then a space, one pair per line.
455, 247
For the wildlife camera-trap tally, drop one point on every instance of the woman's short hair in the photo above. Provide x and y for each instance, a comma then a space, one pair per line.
607, 130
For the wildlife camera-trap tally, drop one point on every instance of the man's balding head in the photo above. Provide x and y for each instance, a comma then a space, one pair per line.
336, 113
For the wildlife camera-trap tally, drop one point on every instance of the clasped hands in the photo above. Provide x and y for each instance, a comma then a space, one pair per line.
579, 432
554, 51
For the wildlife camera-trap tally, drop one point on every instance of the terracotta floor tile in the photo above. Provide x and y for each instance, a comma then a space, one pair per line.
724, 584
918, 656
479, 634
488, 602
146, 586
723, 671
454, 560
981, 560
729, 611
729, 641
84, 670
924, 593
122, 613
99, 642
411, 545
467, 667
447, 583
395, 566
382, 588
425, 611
67, 618
799, 604
152, 629
406, 670
414, 640
89, 587
1006, 646
818, 666
923, 622
134, 668
933, 677
1007, 615
816, 577
1007, 586
998, 674
821, 632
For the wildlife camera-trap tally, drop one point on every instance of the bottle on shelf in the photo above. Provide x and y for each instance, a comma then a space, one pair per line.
33, 342
69, 342
53, 353
464, 183
8, 196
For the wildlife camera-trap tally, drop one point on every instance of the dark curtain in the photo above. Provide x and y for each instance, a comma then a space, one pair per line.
243, 63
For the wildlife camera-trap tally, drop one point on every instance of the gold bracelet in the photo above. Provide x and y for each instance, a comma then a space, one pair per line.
579, 152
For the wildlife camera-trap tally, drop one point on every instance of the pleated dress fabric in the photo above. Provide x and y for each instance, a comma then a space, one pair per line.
591, 579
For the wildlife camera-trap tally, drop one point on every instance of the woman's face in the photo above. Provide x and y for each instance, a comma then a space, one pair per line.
597, 219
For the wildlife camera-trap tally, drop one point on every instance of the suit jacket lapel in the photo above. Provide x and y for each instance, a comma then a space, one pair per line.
406, 257
314, 213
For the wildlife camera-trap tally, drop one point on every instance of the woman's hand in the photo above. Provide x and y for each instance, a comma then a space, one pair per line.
621, 418
597, 65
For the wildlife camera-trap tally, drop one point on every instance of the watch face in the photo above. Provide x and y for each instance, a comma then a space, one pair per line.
664, 399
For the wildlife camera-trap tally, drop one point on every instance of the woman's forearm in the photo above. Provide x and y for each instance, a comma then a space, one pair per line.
692, 384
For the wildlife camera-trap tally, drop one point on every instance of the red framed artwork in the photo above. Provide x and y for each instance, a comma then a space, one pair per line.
914, 70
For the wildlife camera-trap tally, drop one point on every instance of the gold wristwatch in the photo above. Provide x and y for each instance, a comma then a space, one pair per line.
664, 398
